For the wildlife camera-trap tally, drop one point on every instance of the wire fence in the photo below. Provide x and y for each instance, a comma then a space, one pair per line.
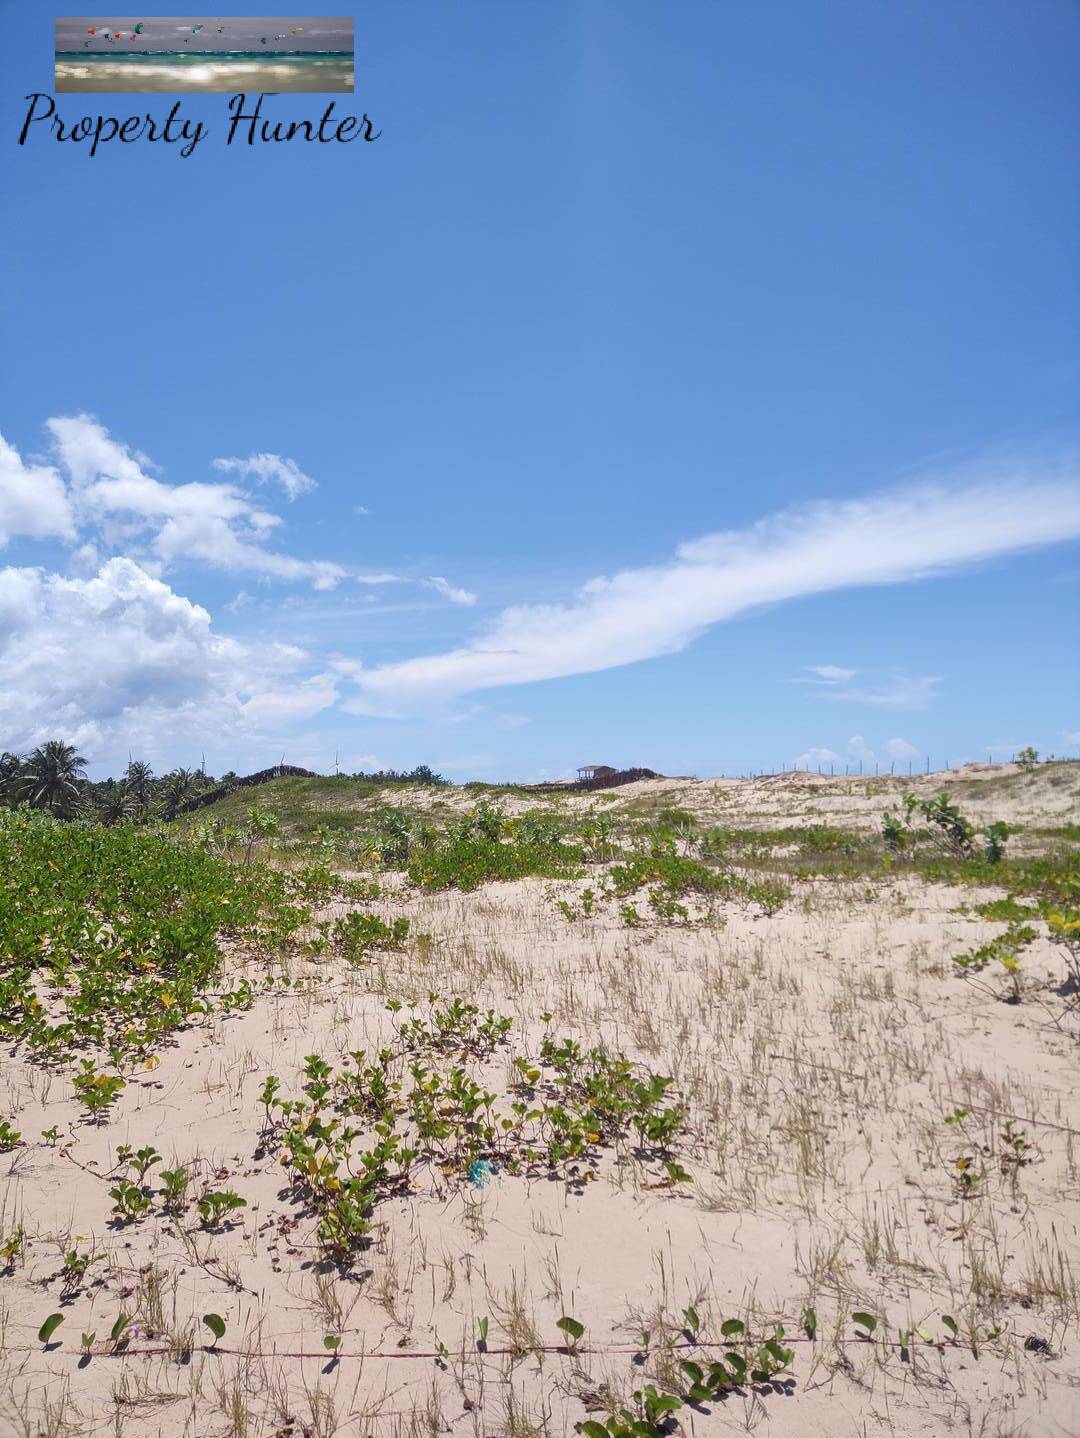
860, 769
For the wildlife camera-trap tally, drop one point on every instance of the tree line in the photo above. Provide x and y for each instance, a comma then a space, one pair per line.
52, 778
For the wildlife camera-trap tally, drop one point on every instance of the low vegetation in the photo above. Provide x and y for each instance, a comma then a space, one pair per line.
373, 1106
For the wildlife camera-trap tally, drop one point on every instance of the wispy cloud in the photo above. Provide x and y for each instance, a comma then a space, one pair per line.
639, 613
450, 591
831, 673
829, 681
270, 468
213, 523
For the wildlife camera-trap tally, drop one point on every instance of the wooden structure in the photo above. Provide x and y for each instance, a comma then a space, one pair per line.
588, 772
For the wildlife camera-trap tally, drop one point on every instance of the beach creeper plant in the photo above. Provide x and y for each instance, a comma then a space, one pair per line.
354, 1133
110, 940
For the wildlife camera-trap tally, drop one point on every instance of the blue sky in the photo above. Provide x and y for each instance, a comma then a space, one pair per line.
615, 278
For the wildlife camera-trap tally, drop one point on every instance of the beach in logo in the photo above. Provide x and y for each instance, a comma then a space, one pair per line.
184, 54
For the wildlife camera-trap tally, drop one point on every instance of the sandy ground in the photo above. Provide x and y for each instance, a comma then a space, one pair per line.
986, 792
820, 1051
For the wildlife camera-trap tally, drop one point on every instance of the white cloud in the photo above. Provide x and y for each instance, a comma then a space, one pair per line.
812, 758
297, 701
214, 523
121, 659
267, 468
897, 692
828, 672
901, 749
83, 657
859, 750
640, 613
902, 692
33, 500
450, 591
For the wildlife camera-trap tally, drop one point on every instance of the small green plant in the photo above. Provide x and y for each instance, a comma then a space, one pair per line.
574, 1330
650, 1417
74, 1269
129, 1200
939, 825
97, 1091
9, 1137
481, 1334
969, 1175
49, 1327
12, 1249
216, 1324
216, 1204
174, 1185
1028, 758
1005, 949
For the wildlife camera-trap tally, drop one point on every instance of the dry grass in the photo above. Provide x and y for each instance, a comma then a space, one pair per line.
820, 1051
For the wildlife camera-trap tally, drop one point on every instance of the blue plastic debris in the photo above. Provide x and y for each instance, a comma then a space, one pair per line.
480, 1172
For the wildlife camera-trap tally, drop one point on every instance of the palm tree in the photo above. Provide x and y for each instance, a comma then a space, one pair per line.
119, 804
177, 786
51, 777
139, 782
10, 769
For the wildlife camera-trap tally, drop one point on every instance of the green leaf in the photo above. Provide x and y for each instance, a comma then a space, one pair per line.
692, 1319
330, 1342
592, 1429
692, 1370
809, 1323
571, 1327
731, 1327
49, 1327
118, 1327
865, 1320
951, 1324
216, 1325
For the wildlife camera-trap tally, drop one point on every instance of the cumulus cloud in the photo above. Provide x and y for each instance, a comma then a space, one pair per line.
641, 613
813, 757
216, 524
450, 591
33, 500
82, 656
901, 749
859, 750
270, 468
120, 658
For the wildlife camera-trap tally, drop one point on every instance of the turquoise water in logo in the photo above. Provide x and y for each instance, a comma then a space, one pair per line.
271, 72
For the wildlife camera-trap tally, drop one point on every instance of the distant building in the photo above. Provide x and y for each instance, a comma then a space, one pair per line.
595, 771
